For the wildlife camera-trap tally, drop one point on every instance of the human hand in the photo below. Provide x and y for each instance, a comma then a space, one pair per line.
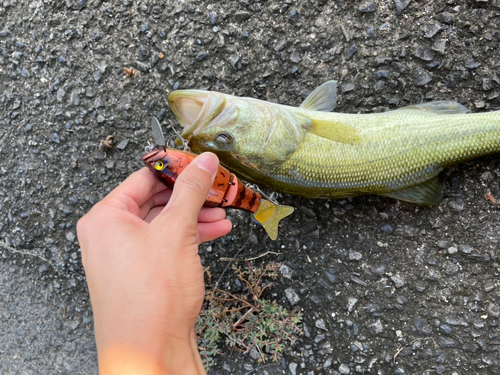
140, 254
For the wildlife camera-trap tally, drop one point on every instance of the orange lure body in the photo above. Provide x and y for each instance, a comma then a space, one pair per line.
227, 190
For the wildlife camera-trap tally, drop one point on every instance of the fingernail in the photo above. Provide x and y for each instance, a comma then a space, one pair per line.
208, 162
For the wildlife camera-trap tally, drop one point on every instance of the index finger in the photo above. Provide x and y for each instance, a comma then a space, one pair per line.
135, 191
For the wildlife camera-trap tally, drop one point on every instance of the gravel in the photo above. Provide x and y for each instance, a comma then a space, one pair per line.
385, 287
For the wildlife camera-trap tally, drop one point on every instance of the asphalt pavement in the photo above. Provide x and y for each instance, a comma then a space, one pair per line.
385, 287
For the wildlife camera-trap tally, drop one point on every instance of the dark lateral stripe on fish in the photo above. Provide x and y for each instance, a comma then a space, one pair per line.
389, 185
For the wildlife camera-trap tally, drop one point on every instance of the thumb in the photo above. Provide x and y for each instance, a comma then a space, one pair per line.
193, 184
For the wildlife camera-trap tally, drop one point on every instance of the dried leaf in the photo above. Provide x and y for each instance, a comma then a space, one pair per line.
490, 198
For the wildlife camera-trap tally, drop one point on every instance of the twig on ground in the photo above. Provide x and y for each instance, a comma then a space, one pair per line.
400, 349
224, 259
29, 253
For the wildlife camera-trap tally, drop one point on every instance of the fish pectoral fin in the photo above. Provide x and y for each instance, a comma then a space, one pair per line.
323, 98
427, 193
438, 108
335, 131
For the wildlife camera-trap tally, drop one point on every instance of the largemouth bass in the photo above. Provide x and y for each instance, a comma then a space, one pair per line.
311, 152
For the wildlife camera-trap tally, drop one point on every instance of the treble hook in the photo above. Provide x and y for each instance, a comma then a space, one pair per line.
169, 141
185, 143
271, 197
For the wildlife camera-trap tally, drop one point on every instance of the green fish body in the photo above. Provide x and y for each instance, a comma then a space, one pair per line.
311, 152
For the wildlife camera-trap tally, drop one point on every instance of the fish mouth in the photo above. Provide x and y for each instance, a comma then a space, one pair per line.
195, 109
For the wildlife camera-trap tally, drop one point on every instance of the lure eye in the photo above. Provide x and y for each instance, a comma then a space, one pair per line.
223, 138
158, 165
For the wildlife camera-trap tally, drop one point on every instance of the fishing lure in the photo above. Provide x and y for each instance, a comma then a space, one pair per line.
227, 191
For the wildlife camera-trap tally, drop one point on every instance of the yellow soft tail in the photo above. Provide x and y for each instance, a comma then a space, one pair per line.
270, 215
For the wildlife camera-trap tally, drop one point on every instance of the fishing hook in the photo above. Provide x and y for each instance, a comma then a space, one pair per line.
169, 141
185, 143
271, 197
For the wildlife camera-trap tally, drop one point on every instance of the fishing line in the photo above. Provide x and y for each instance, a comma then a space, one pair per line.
234, 257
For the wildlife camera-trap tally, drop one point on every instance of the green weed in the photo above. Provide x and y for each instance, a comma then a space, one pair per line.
245, 320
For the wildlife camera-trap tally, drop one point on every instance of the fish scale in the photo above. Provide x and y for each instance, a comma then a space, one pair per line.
310, 152
340, 167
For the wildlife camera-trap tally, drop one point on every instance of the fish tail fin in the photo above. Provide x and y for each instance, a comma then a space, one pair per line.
269, 215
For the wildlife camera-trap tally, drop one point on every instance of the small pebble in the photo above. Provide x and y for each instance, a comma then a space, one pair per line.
320, 323
465, 249
347, 87
295, 15
439, 46
457, 205
420, 77
367, 7
122, 145
398, 280
142, 67
379, 270
201, 56
445, 342
355, 255
286, 271
351, 303
401, 5
444, 17
442, 244
60, 95
421, 325
387, 228
493, 310
70, 236
379, 74
376, 328
430, 30
489, 286
344, 369
351, 51
446, 329
292, 296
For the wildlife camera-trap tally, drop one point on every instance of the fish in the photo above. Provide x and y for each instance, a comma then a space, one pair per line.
227, 191
312, 152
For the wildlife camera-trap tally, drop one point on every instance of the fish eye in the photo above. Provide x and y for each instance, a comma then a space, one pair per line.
223, 138
158, 165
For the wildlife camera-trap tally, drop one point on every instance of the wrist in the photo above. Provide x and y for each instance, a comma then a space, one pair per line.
156, 355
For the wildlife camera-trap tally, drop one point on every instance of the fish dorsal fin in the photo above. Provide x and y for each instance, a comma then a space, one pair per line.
438, 108
427, 193
334, 131
323, 98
